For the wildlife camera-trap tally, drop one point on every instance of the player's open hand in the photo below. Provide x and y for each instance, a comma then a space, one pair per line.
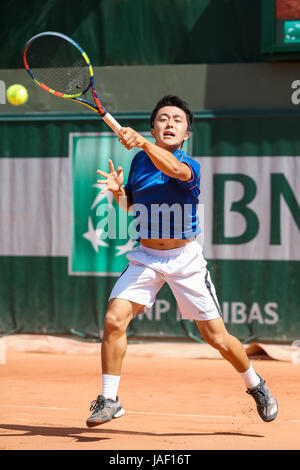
114, 179
130, 138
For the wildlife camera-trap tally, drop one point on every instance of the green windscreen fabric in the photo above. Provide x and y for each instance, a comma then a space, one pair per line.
49, 201
139, 32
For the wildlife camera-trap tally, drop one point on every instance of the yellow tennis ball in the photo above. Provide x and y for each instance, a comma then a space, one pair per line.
17, 94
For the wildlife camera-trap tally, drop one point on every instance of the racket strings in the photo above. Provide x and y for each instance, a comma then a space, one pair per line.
57, 64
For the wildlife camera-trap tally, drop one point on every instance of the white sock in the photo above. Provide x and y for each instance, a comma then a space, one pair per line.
110, 385
250, 377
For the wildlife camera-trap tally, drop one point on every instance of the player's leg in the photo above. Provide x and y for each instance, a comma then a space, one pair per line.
197, 300
114, 344
215, 334
136, 288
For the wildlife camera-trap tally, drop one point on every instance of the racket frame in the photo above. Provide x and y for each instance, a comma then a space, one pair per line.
97, 107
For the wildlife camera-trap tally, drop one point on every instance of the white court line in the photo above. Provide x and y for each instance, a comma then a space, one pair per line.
149, 413
183, 415
37, 407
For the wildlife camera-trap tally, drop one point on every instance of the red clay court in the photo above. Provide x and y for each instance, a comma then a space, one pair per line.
177, 396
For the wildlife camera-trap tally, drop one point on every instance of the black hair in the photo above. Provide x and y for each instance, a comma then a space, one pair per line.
172, 100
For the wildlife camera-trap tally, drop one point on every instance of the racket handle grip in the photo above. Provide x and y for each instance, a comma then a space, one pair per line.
112, 123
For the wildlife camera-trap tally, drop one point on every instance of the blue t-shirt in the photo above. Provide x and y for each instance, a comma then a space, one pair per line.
164, 207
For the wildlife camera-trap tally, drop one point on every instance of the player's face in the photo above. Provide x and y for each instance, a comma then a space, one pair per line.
170, 128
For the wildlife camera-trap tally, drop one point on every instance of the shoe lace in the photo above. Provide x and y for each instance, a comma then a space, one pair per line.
260, 396
97, 404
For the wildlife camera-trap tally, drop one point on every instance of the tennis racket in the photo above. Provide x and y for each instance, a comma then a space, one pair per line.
60, 66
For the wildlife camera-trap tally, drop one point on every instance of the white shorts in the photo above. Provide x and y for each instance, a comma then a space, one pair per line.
184, 269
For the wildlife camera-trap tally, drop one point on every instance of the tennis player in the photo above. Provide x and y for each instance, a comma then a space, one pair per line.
162, 175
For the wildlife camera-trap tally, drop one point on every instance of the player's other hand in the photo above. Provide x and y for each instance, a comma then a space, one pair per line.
114, 179
130, 138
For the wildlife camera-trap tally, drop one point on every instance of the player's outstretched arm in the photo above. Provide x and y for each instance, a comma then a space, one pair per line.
161, 158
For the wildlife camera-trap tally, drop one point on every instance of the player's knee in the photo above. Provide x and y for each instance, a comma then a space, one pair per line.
116, 319
218, 341
113, 321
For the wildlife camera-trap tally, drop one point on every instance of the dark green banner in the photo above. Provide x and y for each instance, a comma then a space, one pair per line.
138, 32
48, 200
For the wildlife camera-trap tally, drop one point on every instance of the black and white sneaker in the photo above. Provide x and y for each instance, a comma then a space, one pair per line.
266, 403
104, 410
